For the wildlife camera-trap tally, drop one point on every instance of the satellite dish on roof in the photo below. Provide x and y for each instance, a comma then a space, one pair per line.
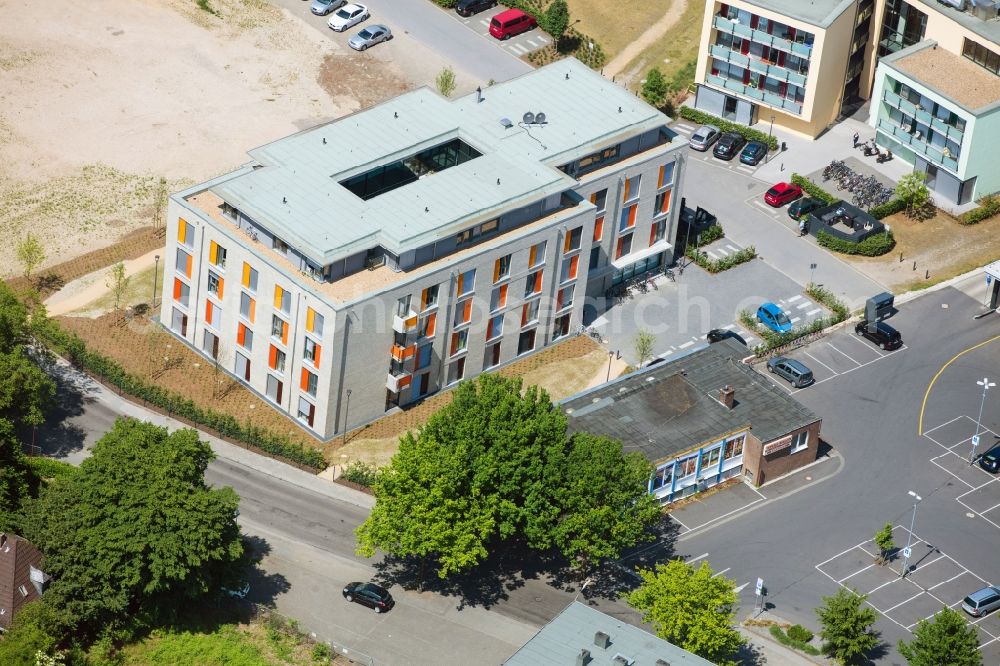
528, 118
539, 118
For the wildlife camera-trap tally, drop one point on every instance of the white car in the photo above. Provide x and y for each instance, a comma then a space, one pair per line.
348, 16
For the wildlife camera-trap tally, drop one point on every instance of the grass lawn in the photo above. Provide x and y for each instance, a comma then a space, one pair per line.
677, 48
140, 290
615, 24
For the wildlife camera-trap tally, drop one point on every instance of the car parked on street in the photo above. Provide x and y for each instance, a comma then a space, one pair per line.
469, 7
797, 374
324, 7
704, 137
774, 318
803, 207
753, 153
982, 601
719, 334
510, 23
729, 145
347, 17
374, 596
990, 461
883, 335
370, 36
781, 194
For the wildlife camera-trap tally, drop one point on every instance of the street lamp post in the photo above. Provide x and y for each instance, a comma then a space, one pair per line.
909, 537
611, 356
770, 130
156, 267
986, 384
347, 411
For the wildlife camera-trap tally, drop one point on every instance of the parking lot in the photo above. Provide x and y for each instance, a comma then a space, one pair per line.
935, 580
981, 495
686, 129
519, 45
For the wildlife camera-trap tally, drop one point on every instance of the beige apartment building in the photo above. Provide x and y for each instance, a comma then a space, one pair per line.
364, 264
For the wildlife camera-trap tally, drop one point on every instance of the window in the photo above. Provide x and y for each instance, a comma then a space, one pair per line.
595, 256
631, 189
711, 457
242, 367
492, 357
572, 241
426, 325
800, 441
536, 255
23, 590
595, 160
533, 284
311, 352
501, 268
666, 175
529, 313
210, 344
308, 382
662, 203
279, 328
424, 356
403, 306
560, 327
215, 284
466, 282
624, 246
981, 55
306, 411
282, 300
564, 298
217, 255
526, 342
495, 327
429, 297
183, 263
185, 233
274, 387
279, 245
664, 476
598, 229
498, 299
656, 231
627, 219
250, 276
182, 292
569, 269
314, 322
212, 314
483, 229
456, 371
489, 227
421, 385
178, 322
247, 307
687, 466
734, 448
600, 199
276, 359
244, 337
463, 312
459, 342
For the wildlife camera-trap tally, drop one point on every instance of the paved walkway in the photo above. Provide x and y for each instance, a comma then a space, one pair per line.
87, 289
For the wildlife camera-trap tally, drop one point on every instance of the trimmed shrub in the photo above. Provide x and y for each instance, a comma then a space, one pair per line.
774, 340
713, 233
873, 246
832, 303
786, 638
890, 207
719, 265
447, 4
812, 189
989, 206
702, 118
799, 633
360, 473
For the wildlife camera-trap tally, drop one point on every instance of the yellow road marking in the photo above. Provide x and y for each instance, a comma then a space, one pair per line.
923, 405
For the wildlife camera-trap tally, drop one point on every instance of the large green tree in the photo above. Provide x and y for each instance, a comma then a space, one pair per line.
947, 639
137, 531
690, 607
496, 465
24, 388
847, 626
18, 481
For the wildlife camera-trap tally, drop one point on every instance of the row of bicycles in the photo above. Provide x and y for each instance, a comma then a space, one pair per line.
641, 284
867, 191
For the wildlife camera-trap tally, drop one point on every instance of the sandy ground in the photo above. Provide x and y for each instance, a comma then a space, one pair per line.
646, 39
81, 292
100, 99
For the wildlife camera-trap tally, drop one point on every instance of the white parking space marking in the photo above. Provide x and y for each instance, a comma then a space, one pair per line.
821, 363
719, 573
803, 306
486, 24
721, 251
843, 354
978, 481
685, 345
795, 320
813, 312
796, 297
729, 327
520, 50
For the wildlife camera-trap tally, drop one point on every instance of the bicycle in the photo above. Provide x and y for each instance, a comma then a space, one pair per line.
670, 274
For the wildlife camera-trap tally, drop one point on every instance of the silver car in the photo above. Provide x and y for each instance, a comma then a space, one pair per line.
704, 137
324, 7
982, 602
370, 36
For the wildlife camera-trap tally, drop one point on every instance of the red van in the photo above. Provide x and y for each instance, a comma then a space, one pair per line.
511, 22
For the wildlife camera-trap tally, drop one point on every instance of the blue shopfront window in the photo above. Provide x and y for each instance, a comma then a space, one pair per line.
664, 476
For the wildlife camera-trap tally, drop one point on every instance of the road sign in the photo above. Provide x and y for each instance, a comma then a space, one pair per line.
907, 552
975, 441
760, 586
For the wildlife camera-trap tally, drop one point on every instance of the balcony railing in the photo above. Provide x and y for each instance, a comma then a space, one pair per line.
755, 93
404, 324
761, 37
403, 353
917, 145
396, 382
928, 120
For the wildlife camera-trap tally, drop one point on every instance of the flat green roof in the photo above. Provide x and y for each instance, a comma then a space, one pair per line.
294, 186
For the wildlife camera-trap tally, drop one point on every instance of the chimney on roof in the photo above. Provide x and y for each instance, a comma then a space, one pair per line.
583, 658
727, 396
602, 640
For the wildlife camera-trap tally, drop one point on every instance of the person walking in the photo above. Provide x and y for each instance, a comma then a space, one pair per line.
856, 137
802, 227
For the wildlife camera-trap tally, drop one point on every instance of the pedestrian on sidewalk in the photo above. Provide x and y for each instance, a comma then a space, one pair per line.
856, 137
802, 227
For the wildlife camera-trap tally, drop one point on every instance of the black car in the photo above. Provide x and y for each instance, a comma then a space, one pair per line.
885, 336
729, 145
369, 594
753, 153
990, 461
717, 334
803, 207
470, 7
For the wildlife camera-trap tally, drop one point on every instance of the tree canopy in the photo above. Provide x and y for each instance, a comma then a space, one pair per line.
655, 87
496, 465
18, 482
947, 639
25, 388
847, 626
690, 608
137, 530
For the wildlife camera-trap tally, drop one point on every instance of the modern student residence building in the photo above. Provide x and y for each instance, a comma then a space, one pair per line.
369, 262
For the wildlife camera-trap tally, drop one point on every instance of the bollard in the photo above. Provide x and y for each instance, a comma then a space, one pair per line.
782, 166
914, 265
927, 274
900, 257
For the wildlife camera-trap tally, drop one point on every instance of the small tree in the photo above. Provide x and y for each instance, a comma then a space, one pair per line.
30, 253
655, 87
913, 192
644, 341
117, 282
948, 639
847, 626
159, 202
556, 19
883, 539
446, 81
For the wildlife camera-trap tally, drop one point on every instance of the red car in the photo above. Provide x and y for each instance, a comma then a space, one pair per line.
511, 22
781, 194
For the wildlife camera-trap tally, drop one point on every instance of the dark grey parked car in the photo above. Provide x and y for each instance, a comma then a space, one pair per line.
797, 374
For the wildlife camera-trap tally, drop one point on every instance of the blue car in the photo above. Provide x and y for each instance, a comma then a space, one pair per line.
771, 316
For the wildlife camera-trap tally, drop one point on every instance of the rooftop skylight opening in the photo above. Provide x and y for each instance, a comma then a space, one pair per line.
388, 177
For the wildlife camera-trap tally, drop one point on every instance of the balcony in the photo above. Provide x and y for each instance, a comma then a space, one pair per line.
917, 145
398, 381
761, 37
722, 53
403, 353
402, 324
928, 120
763, 96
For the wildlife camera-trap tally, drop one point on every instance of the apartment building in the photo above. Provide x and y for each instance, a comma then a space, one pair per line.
802, 65
364, 264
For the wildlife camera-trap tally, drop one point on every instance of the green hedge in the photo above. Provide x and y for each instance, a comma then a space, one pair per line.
874, 246
710, 235
719, 265
826, 298
798, 644
702, 118
989, 206
360, 473
72, 347
772, 340
890, 207
813, 190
